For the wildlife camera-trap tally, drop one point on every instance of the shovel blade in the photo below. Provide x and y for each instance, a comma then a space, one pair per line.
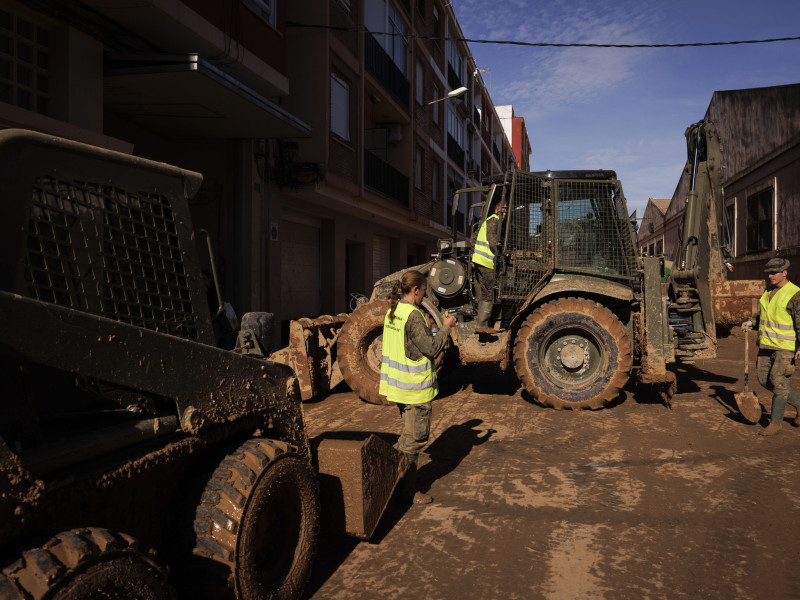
748, 406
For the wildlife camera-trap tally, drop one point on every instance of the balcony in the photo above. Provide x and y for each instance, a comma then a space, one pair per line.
386, 72
383, 178
453, 78
455, 151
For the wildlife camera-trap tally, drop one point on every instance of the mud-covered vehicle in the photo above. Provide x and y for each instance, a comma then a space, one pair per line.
563, 313
576, 309
136, 458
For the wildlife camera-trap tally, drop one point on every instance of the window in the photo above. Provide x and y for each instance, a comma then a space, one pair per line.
419, 164
435, 191
455, 127
659, 247
24, 63
380, 16
345, 4
421, 7
437, 25
340, 107
264, 9
437, 93
419, 83
730, 225
759, 221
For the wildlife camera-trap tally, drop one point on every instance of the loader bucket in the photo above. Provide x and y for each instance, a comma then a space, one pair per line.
356, 480
312, 354
736, 301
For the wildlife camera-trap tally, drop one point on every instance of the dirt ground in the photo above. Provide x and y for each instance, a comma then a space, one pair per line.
635, 501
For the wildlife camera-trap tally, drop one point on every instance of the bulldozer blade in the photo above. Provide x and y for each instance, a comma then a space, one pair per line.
357, 478
312, 354
748, 406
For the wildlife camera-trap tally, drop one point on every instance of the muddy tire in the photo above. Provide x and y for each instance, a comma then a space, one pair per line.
360, 348
256, 526
573, 353
85, 563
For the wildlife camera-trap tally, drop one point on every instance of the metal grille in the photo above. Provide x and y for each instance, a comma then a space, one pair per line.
587, 231
593, 229
529, 235
107, 251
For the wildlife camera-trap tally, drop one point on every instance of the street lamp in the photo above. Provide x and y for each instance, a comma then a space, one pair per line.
454, 94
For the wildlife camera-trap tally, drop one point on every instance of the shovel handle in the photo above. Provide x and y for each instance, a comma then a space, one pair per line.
746, 356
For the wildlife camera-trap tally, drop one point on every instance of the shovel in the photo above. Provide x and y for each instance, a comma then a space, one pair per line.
746, 400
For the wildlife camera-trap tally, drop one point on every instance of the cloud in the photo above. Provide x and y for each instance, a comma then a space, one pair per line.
548, 79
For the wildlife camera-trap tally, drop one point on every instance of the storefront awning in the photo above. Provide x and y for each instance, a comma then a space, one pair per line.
186, 97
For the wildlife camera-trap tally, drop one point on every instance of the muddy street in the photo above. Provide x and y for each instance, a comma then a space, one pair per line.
636, 501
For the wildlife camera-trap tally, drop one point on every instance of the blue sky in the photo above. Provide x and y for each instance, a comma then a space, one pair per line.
625, 109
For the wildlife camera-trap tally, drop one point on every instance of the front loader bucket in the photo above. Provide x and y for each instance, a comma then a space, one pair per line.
736, 301
312, 354
356, 480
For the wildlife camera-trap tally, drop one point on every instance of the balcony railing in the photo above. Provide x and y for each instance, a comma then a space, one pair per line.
383, 178
453, 79
455, 151
382, 66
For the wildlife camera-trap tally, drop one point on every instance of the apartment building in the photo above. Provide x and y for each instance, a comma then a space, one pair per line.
394, 147
326, 162
517, 132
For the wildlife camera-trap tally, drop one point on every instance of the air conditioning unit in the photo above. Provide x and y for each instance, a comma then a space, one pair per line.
394, 133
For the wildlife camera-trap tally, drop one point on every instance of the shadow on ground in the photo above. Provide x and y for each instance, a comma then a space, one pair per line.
449, 449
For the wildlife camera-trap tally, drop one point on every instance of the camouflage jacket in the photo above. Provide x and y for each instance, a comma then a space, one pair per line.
492, 233
419, 339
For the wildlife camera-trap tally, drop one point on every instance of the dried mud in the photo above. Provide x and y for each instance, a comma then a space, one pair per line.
634, 501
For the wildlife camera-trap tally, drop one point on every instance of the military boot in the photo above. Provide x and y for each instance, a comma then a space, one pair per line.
484, 313
771, 429
409, 494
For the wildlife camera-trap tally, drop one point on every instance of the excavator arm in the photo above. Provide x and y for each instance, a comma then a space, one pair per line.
703, 248
701, 298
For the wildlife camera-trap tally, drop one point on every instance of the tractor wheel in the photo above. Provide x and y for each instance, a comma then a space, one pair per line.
573, 353
85, 563
257, 525
360, 348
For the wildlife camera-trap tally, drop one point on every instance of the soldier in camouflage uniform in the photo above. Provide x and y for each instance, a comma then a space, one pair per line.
483, 259
778, 325
408, 372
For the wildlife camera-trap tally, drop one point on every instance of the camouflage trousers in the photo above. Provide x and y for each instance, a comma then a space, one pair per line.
416, 427
486, 278
775, 369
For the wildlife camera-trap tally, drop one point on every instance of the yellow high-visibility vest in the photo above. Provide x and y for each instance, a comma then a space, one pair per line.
775, 326
404, 380
482, 254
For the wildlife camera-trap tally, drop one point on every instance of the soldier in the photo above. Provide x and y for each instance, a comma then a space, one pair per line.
483, 263
778, 334
408, 372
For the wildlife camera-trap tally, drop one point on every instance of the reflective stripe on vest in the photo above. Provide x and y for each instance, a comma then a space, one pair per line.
404, 380
482, 254
775, 326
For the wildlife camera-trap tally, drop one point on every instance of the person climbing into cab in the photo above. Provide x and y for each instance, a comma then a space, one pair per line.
483, 261
408, 372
